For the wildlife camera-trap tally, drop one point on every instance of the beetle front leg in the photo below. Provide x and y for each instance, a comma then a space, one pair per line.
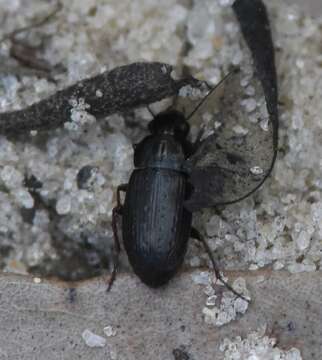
195, 234
117, 210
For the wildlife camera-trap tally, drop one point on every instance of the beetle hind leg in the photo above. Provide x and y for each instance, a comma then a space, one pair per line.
117, 211
195, 234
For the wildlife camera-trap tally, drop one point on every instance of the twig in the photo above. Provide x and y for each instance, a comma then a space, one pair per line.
121, 89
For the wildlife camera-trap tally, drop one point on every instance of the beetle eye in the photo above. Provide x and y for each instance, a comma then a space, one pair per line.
182, 128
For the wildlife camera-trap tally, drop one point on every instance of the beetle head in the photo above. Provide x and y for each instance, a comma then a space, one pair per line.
170, 122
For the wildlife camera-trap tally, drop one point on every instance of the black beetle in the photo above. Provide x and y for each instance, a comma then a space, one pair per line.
173, 177
156, 226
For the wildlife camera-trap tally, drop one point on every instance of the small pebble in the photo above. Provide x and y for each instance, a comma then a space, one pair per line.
256, 170
99, 93
63, 205
93, 340
201, 278
109, 331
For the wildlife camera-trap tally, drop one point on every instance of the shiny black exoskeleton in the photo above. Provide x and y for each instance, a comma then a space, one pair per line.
173, 177
156, 222
156, 226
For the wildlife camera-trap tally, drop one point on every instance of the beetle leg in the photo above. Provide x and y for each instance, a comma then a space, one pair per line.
117, 210
196, 235
117, 246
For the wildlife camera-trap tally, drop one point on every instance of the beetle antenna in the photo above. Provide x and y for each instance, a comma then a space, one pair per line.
212, 90
150, 111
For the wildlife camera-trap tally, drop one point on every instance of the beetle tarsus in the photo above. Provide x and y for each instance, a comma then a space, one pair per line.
117, 210
196, 235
